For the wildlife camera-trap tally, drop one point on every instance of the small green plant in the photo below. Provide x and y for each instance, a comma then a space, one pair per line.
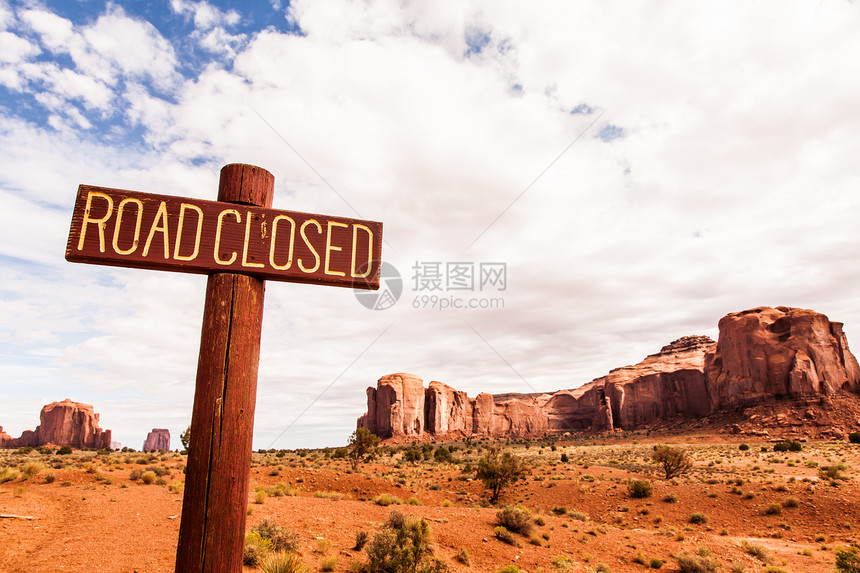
502, 534
698, 518
848, 559
788, 446
256, 548
639, 488
671, 498
402, 546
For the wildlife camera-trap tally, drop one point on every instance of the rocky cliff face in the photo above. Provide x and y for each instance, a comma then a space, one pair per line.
761, 353
157, 439
779, 352
63, 423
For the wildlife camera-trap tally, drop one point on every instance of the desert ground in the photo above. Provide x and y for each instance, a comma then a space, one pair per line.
739, 508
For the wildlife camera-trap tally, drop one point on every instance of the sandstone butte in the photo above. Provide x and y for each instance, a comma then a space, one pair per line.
157, 439
761, 354
63, 423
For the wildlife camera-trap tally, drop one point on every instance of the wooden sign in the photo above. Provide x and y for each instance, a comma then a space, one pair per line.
238, 241
142, 230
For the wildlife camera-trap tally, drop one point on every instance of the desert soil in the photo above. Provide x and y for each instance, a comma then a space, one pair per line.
89, 513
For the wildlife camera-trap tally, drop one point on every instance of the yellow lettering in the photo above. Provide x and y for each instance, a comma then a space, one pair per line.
308, 243
119, 213
329, 248
182, 208
245, 262
99, 222
274, 237
355, 228
221, 216
161, 215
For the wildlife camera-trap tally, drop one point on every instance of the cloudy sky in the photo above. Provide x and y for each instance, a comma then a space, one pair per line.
614, 175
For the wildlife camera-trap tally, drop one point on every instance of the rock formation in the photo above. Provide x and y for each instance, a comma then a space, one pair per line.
63, 423
762, 353
157, 439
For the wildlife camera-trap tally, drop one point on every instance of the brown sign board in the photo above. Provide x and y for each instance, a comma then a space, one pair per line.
143, 230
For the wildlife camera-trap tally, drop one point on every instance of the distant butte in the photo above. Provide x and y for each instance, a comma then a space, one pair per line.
763, 354
63, 423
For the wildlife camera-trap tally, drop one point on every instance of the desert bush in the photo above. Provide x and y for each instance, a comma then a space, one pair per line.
256, 548
514, 518
64, 451
9, 474
260, 496
655, 563
854, 437
30, 469
402, 546
559, 510
671, 498
772, 509
848, 560
674, 460
463, 556
744, 447
691, 563
285, 563
332, 495
502, 534
50, 478
177, 487
443, 455
361, 539
832, 472
578, 515
281, 538
148, 477
328, 563
639, 488
698, 518
564, 458
787, 446
509, 569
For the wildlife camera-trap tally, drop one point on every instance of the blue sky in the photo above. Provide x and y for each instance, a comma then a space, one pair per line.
640, 170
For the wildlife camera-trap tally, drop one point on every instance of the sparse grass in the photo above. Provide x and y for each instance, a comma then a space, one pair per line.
286, 563
691, 563
336, 496
386, 499
757, 551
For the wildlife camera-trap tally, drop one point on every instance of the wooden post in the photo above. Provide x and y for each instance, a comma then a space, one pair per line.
212, 530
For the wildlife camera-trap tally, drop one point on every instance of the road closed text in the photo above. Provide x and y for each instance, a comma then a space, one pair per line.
128, 228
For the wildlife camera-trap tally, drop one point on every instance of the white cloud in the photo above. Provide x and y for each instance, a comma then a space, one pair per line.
211, 25
733, 185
